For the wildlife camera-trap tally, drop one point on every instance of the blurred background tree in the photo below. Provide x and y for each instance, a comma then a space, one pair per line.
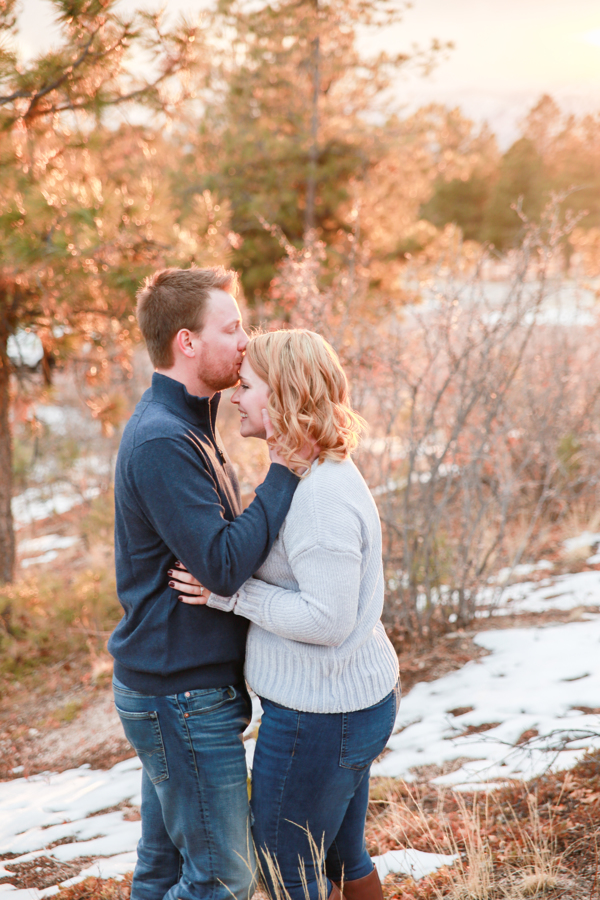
82, 212
520, 177
266, 139
294, 117
555, 153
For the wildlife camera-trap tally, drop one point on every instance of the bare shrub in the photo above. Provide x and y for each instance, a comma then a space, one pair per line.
482, 401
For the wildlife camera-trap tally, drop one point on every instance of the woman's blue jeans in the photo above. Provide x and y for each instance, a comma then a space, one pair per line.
311, 777
196, 842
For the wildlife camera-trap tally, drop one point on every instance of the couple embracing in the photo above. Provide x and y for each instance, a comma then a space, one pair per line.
285, 595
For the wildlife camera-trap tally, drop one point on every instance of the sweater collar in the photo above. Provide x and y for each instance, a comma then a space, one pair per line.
195, 410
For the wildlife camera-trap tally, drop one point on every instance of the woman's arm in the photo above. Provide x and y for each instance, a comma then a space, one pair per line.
322, 611
323, 540
324, 608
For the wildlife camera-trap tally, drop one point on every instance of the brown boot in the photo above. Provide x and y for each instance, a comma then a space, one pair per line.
366, 888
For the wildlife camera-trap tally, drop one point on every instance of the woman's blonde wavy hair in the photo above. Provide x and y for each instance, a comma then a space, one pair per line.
309, 394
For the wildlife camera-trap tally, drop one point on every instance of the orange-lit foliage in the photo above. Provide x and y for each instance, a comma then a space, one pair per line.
83, 209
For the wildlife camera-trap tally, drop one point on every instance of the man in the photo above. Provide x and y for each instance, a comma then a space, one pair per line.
179, 687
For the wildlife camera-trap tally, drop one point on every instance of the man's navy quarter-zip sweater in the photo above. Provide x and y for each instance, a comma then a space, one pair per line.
177, 497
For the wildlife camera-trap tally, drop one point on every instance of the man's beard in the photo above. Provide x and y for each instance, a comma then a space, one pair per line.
215, 378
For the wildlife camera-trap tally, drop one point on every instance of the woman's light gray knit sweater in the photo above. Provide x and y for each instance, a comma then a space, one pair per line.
317, 643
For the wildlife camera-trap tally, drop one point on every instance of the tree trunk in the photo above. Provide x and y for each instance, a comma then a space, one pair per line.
7, 535
313, 153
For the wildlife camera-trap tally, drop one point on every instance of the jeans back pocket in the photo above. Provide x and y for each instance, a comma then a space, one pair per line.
366, 732
142, 730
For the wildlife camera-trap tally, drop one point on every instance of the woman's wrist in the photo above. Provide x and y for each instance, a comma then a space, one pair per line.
225, 604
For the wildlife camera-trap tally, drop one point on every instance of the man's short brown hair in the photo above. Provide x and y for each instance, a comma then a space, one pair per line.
173, 299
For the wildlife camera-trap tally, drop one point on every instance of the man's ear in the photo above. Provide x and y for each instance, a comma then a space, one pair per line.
184, 340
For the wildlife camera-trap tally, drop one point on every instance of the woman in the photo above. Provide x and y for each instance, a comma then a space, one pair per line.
317, 654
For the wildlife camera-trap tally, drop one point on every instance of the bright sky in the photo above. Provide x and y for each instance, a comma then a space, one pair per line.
506, 54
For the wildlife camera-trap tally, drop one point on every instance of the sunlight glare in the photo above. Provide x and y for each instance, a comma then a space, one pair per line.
592, 37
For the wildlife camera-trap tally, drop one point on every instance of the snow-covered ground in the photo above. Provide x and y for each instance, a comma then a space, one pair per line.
38, 811
54, 491
562, 592
532, 682
36, 504
527, 707
43, 549
566, 303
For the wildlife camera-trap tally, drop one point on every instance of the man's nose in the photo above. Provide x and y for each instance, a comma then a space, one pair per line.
243, 341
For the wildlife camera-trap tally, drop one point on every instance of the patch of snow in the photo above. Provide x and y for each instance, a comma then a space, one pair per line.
25, 349
521, 570
394, 445
46, 542
567, 317
12, 893
478, 786
582, 541
44, 809
68, 797
411, 862
91, 465
562, 592
66, 420
116, 835
416, 478
38, 560
46, 547
56, 418
388, 488
532, 681
567, 304
37, 811
114, 867
36, 504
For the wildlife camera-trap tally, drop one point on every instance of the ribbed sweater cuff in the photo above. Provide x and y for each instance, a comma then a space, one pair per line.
226, 604
250, 602
248, 597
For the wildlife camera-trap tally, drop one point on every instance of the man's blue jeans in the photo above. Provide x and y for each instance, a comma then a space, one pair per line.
196, 842
311, 775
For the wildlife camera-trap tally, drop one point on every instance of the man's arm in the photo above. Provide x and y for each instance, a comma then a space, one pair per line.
179, 495
323, 540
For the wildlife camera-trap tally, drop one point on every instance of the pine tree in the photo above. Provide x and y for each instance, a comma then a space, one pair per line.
289, 125
72, 229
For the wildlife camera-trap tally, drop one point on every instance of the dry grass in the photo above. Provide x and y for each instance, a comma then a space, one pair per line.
63, 612
96, 889
526, 840
537, 840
